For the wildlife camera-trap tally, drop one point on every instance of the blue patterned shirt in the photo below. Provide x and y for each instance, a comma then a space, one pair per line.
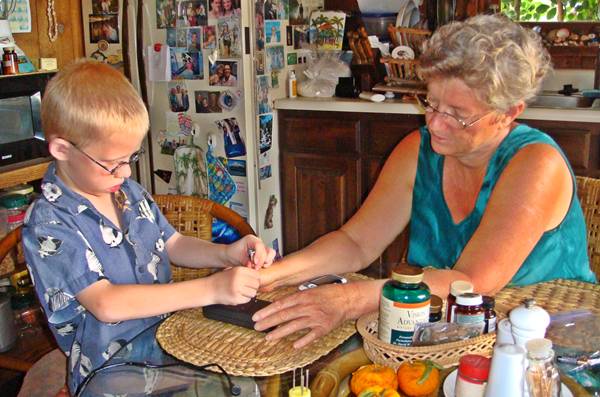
69, 245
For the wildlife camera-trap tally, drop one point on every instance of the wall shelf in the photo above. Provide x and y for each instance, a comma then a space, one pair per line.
16, 174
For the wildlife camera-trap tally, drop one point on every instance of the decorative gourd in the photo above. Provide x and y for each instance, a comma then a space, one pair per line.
373, 375
418, 378
378, 391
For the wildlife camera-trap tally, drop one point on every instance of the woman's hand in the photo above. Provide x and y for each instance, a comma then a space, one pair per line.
249, 251
320, 309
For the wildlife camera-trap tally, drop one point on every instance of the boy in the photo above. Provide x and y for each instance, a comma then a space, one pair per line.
97, 246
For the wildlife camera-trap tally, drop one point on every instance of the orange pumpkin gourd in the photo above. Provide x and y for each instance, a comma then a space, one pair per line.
373, 375
418, 378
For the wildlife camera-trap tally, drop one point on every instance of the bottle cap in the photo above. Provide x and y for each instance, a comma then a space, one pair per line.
474, 366
460, 287
407, 274
469, 299
13, 201
488, 302
539, 348
436, 304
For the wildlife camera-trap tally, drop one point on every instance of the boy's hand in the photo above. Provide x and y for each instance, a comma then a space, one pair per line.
251, 252
235, 285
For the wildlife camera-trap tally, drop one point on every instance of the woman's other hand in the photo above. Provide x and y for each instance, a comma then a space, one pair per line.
251, 252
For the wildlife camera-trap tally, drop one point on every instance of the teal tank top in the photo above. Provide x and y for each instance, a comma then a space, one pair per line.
435, 240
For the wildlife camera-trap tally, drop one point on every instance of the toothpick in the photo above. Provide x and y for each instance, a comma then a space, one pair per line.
307, 383
294, 378
301, 382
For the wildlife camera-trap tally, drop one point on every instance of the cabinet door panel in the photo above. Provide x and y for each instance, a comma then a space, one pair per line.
579, 141
320, 194
383, 133
316, 134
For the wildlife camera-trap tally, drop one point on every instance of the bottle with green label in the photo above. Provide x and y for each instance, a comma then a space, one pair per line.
405, 302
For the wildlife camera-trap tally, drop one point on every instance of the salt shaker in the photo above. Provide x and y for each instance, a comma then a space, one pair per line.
528, 322
472, 375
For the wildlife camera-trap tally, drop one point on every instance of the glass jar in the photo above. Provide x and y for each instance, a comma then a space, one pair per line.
15, 206
405, 302
469, 309
10, 61
490, 314
435, 310
543, 379
456, 288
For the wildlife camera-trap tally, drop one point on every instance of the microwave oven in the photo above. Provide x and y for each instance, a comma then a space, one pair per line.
21, 135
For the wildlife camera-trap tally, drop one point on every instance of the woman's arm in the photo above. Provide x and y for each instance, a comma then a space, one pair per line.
531, 196
384, 214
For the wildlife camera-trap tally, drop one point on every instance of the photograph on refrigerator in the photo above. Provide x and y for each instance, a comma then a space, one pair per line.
186, 65
209, 37
166, 14
223, 73
228, 30
191, 13
178, 97
273, 32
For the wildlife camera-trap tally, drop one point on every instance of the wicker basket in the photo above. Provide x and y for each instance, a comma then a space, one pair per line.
445, 354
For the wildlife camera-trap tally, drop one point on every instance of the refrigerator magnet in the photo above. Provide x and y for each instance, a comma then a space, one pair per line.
268, 222
227, 100
234, 145
265, 122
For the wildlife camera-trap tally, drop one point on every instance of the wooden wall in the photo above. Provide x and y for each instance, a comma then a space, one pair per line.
69, 44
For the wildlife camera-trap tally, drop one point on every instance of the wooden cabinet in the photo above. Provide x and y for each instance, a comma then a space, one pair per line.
331, 160
579, 141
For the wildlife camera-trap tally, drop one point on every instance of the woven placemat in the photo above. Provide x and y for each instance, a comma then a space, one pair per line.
554, 296
191, 337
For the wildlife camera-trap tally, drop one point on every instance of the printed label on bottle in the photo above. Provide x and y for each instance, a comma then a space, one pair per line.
491, 325
397, 320
470, 318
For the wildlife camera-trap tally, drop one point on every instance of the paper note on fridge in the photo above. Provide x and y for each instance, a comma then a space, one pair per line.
159, 65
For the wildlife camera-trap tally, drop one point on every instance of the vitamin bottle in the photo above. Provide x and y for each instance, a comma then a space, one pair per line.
490, 314
456, 288
469, 309
435, 310
471, 379
405, 302
10, 63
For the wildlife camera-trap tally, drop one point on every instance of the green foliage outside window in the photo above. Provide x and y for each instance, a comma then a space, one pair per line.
547, 10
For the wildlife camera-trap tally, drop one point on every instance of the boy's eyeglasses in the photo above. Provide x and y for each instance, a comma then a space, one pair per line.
455, 121
132, 159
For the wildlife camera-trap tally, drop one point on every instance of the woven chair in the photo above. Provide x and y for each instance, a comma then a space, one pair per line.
193, 216
588, 190
47, 376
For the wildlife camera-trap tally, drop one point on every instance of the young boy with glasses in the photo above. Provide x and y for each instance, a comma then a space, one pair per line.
97, 246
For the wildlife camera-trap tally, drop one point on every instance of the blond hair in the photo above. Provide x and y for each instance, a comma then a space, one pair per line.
88, 100
500, 60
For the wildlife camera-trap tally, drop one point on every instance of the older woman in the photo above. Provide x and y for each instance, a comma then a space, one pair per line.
489, 200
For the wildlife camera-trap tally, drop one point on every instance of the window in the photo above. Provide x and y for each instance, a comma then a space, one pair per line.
551, 10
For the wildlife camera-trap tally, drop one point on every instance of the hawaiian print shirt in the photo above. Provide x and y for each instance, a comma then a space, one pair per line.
69, 245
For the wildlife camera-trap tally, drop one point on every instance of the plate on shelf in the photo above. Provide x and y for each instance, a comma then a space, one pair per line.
450, 381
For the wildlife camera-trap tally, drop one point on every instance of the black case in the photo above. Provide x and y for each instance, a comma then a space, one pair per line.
236, 314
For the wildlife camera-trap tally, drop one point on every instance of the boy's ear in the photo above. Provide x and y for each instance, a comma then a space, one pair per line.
59, 148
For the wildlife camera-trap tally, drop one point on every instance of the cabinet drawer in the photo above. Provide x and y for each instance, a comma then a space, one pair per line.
315, 134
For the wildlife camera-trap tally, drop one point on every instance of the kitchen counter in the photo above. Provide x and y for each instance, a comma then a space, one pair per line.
396, 106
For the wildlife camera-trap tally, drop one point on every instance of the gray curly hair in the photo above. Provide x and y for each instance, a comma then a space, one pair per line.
500, 60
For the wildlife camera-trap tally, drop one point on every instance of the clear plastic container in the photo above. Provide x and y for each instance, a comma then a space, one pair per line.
14, 207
